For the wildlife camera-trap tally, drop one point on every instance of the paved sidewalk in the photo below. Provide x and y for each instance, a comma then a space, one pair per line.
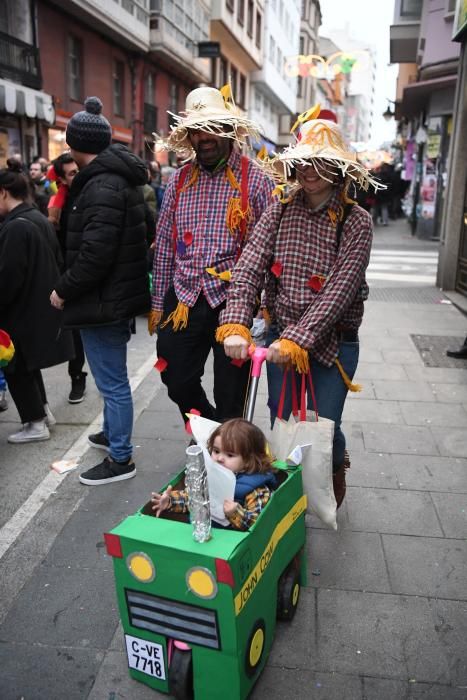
384, 616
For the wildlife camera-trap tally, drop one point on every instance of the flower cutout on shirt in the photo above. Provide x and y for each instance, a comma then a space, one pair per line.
276, 269
181, 248
188, 238
316, 282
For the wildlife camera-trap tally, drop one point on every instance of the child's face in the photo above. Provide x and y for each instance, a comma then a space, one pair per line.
229, 460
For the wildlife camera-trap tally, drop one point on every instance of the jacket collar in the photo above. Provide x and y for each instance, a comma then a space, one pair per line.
18, 211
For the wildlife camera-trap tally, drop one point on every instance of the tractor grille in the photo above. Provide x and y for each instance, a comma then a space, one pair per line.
187, 623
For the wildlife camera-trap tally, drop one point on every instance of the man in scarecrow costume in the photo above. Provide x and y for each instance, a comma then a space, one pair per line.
313, 247
209, 210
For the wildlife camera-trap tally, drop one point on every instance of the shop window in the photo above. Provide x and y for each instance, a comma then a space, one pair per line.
75, 71
118, 79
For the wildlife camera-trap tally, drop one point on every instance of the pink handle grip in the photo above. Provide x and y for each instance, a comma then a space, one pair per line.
258, 356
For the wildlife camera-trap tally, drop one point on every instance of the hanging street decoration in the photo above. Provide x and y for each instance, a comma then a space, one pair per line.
341, 62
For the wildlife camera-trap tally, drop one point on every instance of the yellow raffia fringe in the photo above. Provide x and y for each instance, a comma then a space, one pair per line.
193, 178
225, 276
154, 318
229, 329
298, 356
347, 381
179, 317
262, 153
235, 214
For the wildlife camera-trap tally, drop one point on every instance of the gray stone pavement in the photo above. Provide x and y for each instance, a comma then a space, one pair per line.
384, 615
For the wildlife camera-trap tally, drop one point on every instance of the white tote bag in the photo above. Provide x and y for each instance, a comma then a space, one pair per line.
307, 428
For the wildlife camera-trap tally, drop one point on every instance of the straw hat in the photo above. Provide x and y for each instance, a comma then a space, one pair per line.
209, 110
319, 142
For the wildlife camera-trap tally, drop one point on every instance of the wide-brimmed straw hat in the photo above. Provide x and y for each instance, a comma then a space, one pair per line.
319, 142
209, 109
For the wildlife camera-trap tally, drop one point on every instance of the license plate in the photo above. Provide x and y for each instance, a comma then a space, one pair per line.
144, 656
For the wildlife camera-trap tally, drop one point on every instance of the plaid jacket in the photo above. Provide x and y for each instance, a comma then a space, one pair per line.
244, 516
201, 211
317, 287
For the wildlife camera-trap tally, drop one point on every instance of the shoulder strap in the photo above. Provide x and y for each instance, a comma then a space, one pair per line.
178, 189
340, 225
244, 197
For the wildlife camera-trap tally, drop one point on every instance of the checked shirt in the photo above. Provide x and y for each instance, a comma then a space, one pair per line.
301, 244
242, 518
200, 219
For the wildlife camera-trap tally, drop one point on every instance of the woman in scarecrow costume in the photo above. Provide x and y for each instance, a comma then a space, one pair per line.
313, 247
209, 210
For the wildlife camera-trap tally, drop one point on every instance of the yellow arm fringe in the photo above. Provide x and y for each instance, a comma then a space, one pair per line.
266, 316
298, 356
235, 214
179, 317
229, 329
347, 381
225, 276
154, 319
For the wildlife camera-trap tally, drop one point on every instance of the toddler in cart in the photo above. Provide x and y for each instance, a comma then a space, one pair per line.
239, 446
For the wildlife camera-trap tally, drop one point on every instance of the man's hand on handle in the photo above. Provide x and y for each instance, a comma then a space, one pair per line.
236, 347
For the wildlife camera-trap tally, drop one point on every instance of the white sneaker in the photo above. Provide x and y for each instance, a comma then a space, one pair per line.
50, 419
31, 432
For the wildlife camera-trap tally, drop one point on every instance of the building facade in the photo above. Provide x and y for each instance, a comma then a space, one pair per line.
422, 36
273, 97
452, 269
25, 109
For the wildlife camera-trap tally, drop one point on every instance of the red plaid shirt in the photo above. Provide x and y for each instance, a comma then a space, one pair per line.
201, 212
304, 243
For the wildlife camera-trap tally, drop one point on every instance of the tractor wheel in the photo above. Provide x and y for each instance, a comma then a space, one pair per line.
288, 593
181, 675
255, 648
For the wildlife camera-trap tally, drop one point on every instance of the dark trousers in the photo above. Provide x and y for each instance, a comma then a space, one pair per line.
186, 352
75, 366
26, 388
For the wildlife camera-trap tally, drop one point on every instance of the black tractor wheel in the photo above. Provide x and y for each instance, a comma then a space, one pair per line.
288, 593
181, 675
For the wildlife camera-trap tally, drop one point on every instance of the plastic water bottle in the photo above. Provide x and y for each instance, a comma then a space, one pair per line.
196, 482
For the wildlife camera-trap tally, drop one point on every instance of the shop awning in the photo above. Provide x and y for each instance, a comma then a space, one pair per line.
416, 95
26, 102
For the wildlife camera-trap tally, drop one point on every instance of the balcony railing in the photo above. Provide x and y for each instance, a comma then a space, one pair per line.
150, 118
19, 61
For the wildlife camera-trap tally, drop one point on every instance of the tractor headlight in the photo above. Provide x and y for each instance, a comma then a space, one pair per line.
201, 582
141, 567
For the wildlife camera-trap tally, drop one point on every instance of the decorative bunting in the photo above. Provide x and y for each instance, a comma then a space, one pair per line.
276, 269
161, 364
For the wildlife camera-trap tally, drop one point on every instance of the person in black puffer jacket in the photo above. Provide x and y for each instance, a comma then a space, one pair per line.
105, 284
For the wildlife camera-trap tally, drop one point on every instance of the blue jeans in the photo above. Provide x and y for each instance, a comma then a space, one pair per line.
105, 348
330, 390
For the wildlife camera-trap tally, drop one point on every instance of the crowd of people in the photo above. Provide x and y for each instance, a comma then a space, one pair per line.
79, 235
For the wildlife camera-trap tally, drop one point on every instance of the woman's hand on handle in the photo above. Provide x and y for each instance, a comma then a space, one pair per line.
274, 354
236, 347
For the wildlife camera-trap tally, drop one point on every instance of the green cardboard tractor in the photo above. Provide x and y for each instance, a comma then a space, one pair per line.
199, 618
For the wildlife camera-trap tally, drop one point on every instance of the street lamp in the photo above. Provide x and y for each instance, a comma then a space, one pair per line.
389, 114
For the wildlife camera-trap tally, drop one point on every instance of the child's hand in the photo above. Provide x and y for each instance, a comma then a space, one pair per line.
161, 501
229, 507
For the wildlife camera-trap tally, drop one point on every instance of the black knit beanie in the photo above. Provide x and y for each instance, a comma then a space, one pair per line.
89, 131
